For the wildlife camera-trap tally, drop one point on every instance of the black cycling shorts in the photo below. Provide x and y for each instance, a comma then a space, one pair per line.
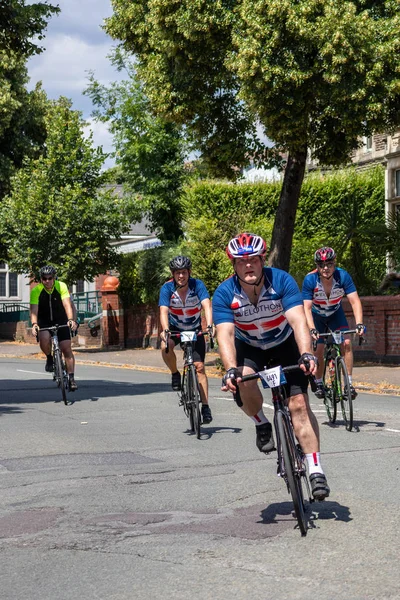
285, 354
199, 346
64, 333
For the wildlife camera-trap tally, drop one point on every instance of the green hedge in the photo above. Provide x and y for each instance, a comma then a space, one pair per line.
343, 209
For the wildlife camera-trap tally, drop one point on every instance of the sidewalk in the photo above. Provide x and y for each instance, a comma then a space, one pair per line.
383, 379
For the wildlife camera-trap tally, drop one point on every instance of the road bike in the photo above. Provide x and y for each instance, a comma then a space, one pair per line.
190, 397
60, 375
291, 459
336, 378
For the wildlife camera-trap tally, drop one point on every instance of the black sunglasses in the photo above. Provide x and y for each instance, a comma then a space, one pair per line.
47, 278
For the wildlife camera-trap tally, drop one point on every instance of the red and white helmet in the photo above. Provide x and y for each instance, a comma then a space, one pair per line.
246, 244
324, 254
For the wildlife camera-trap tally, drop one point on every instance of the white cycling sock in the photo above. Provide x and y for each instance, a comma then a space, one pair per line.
313, 462
318, 380
259, 418
350, 379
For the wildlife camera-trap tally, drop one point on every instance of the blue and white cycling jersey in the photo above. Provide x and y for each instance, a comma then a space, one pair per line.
313, 289
265, 325
184, 316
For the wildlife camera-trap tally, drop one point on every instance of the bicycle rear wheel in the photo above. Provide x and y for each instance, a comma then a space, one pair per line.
58, 367
194, 399
291, 473
346, 401
329, 400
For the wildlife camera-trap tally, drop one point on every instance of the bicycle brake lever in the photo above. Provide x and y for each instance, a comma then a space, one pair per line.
313, 383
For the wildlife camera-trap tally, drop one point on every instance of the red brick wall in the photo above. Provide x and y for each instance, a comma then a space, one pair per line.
382, 319
142, 326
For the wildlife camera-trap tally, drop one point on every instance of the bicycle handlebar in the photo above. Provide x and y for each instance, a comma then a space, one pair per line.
53, 328
178, 334
289, 369
361, 339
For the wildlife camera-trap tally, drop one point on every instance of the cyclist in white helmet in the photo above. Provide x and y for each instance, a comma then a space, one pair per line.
260, 321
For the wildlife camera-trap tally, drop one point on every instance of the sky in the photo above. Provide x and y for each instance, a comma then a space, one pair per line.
75, 44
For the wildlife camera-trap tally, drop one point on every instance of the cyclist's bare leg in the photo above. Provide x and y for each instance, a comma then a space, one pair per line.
45, 342
250, 395
66, 349
347, 352
170, 357
203, 381
305, 424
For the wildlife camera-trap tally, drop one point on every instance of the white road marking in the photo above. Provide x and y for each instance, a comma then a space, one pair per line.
34, 372
394, 430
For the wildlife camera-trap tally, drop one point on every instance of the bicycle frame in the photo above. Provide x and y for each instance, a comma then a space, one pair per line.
60, 375
336, 375
190, 400
290, 460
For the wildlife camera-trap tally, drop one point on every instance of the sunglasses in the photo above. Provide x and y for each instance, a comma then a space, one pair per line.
327, 265
47, 278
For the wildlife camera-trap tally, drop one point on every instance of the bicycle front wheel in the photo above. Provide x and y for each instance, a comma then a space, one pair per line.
58, 367
194, 399
330, 399
344, 390
185, 399
291, 473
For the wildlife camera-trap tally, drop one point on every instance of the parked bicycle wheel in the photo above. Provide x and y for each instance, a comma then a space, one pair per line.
59, 374
194, 399
344, 391
330, 391
293, 478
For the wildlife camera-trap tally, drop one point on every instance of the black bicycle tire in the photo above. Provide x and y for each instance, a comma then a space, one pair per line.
60, 375
293, 479
195, 399
345, 402
330, 395
188, 406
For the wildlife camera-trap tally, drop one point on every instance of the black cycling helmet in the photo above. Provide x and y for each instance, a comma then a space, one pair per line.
180, 262
48, 270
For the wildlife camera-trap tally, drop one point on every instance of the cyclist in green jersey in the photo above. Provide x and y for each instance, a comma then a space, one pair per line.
51, 305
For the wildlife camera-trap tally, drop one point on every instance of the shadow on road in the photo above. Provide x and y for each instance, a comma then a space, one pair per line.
316, 511
19, 392
357, 425
206, 434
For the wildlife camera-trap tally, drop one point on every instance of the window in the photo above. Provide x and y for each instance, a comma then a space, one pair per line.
397, 183
80, 286
368, 142
8, 282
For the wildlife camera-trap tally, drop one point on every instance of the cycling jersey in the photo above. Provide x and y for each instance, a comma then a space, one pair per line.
265, 325
184, 316
51, 310
313, 289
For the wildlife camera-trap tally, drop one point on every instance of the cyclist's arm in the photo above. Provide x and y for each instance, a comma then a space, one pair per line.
34, 314
69, 311
164, 321
227, 350
308, 311
297, 320
356, 305
206, 304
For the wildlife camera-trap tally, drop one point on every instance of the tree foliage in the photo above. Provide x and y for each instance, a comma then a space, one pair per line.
56, 212
22, 131
317, 74
150, 151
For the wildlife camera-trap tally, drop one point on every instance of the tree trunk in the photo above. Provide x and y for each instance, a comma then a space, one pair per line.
282, 234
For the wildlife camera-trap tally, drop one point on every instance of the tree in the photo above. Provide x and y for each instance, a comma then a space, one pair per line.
317, 74
22, 131
56, 212
150, 151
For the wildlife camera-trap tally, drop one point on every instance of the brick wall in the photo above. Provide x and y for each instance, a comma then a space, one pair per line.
142, 326
20, 332
382, 319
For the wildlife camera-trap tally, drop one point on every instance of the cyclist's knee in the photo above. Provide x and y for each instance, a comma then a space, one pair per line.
200, 368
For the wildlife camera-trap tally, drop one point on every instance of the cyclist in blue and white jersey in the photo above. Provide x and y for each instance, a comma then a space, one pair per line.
181, 302
260, 321
323, 291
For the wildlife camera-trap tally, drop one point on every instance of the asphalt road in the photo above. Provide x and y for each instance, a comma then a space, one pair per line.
113, 498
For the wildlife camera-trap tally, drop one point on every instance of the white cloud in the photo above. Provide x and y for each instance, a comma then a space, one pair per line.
74, 45
101, 137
